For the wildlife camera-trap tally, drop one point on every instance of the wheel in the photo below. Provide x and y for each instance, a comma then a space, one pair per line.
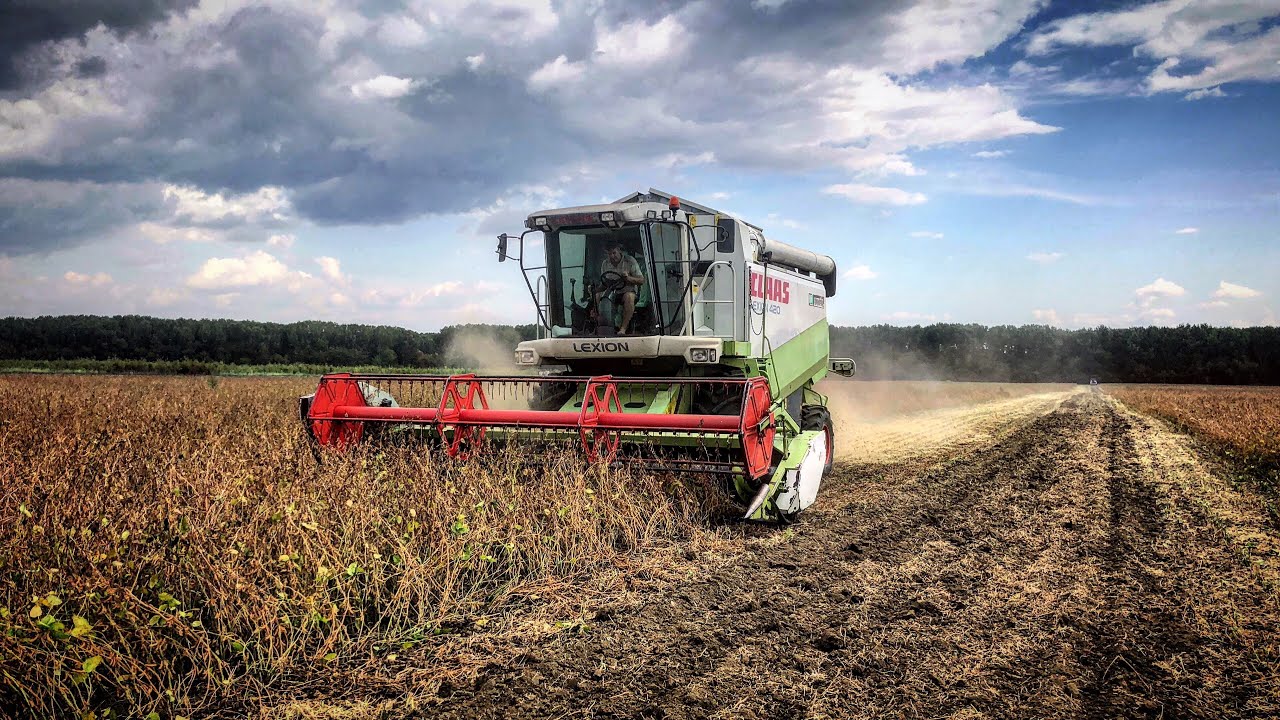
551, 395
818, 417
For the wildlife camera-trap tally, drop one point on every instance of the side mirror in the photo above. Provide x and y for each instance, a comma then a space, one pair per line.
842, 366
502, 247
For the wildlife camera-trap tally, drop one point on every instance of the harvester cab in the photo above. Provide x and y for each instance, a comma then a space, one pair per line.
669, 334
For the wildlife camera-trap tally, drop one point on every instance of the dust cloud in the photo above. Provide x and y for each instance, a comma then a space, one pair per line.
885, 420
479, 350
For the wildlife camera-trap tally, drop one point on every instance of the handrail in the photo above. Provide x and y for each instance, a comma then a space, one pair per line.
539, 286
688, 321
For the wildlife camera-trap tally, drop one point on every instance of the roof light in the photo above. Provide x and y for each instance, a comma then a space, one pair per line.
541, 223
674, 204
651, 215
606, 217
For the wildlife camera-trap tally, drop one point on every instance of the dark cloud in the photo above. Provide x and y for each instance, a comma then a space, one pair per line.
45, 216
27, 24
92, 66
264, 97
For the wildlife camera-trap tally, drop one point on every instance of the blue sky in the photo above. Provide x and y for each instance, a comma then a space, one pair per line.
988, 161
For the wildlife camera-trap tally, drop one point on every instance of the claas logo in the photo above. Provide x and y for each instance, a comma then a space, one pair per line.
772, 289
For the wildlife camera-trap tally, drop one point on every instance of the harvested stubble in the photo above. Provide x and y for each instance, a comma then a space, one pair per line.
172, 545
1241, 423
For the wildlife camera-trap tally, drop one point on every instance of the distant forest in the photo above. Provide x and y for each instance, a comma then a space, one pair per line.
1029, 353
243, 342
1038, 353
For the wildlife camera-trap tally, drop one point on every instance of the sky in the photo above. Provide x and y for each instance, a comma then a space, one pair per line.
984, 161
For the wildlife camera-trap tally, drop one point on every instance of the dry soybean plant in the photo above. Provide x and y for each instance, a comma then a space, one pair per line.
172, 546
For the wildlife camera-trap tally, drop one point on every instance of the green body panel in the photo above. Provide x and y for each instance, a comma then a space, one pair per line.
798, 362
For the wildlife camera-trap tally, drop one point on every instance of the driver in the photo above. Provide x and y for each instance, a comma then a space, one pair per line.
626, 268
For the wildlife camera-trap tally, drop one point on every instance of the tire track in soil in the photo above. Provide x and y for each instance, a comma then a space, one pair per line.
1032, 575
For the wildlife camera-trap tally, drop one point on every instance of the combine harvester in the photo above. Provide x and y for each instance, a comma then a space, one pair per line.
670, 336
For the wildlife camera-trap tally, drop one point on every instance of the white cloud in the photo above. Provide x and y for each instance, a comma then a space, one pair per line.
557, 72
162, 297
1044, 258
417, 297
95, 280
990, 154
1159, 314
1213, 92
1015, 190
790, 224
1221, 40
402, 31
927, 234
283, 241
872, 195
224, 300
267, 203
671, 160
904, 316
1186, 231
164, 234
638, 44
258, 268
1047, 317
383, 87
1215, 304
330, 268
30, 127
1160, 288
861, 272
475, 61
932, 32
1235, 292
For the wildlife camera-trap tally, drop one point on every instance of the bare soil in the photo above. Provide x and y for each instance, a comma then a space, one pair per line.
1053, 555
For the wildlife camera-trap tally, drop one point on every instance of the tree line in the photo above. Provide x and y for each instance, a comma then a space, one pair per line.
1038, 353
1028, 353
242, 342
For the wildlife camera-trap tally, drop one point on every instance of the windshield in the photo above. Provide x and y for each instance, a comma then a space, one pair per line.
601, 282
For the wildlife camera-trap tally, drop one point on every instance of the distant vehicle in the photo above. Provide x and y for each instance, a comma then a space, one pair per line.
1093, 381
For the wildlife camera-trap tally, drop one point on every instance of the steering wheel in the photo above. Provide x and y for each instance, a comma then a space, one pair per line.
611, 280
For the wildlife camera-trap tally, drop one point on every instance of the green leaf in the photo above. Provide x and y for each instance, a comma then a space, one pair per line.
237, 646
153, 715
91, 664
459, 526
330, 657
81, 626
23, 509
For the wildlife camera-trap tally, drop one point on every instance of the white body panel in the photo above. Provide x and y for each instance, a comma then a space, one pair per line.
800, 488
556, 350
782, 305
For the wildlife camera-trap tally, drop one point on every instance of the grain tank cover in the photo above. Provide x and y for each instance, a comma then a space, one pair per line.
791, 256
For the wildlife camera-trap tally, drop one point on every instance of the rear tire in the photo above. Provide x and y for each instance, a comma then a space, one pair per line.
818, 417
